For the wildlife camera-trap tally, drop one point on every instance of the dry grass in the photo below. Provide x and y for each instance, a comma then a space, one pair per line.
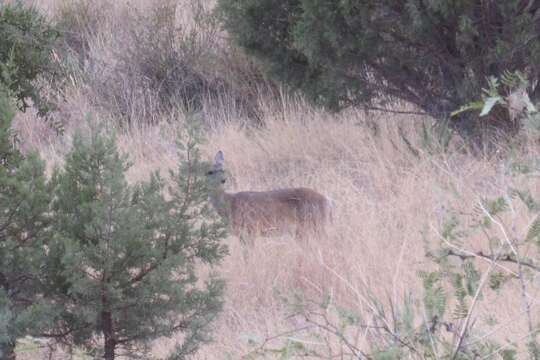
389, 199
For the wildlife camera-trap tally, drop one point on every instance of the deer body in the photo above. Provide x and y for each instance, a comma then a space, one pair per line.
299, 211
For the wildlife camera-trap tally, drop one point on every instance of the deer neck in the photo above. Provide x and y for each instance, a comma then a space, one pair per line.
221, 202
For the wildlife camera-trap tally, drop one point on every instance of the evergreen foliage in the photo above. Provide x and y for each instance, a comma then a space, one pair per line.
434, 54
24, 201
26, 42
129, 254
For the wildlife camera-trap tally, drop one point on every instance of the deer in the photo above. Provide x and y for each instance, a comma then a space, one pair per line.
297, 211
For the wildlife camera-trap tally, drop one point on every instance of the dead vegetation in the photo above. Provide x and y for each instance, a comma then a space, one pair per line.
157, 65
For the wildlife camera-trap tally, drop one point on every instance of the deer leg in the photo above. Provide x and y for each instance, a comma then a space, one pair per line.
247, 243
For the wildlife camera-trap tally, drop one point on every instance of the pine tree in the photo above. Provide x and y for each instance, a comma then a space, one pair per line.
130, 254
24, 201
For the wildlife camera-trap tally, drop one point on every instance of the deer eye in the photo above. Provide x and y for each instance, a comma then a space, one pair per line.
210, 172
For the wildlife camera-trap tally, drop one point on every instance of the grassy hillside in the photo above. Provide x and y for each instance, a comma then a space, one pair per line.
393, 185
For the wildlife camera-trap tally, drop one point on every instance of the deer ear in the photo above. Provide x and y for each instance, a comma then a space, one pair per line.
219, 159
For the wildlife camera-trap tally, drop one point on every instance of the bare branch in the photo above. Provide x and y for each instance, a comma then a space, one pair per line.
505, 258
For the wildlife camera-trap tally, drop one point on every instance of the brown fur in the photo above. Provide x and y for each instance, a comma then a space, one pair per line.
298, 211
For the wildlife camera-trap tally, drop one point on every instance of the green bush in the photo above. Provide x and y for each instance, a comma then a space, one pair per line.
87, 255
505, 97
26, 44
124, 258
433, 54
24, 204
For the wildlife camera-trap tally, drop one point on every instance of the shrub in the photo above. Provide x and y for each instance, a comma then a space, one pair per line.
78, 20
26, 42
128, 256
24, 204
142, 63
435, 55
167, 57
149, 65
506, 98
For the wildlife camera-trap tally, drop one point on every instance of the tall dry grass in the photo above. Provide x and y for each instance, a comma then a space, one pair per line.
391, 190
389, 202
